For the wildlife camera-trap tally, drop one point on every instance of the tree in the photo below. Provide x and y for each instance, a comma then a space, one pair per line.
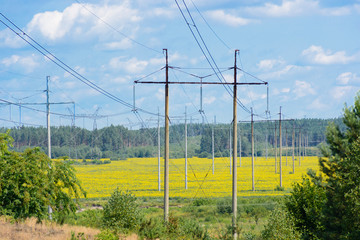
329, 207
30, 182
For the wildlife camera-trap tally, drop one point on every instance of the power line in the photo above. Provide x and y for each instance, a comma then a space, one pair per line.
216, 35
217, 71
116, 30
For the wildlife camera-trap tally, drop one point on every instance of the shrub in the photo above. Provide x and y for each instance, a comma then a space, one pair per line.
122, 212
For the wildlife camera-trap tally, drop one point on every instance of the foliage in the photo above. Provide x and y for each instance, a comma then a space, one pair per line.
327, 206
88, 218
305, 205
122, 212
152, 228
341, 166
30, 182
280, 226
106, 235
118, 142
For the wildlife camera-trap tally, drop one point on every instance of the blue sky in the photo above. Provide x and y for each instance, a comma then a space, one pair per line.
308, 51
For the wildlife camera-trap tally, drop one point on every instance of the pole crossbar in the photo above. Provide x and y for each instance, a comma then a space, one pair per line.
207, 83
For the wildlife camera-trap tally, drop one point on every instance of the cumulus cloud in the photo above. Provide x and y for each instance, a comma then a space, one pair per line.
285, 9
317, 104
78, 21
292, 8
303, 89
316, 54
228, 19
27, 62
281, 91
132, 65
268, 64
209, 100
347, 78
118, 45
9, 39
285, 70
339, 92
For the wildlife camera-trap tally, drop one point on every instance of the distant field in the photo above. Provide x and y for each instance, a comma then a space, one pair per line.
140, 176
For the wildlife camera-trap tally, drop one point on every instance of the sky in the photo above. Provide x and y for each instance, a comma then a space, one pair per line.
306, 50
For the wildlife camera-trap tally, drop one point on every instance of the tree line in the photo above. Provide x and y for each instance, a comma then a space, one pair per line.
119, 142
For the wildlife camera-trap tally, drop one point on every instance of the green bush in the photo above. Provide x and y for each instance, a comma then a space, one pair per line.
280, 227
106, 235
122, 212
152, 229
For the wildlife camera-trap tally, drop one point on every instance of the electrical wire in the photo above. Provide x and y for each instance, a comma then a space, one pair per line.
116, 30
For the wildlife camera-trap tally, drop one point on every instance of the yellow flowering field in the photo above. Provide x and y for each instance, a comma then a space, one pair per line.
140, 176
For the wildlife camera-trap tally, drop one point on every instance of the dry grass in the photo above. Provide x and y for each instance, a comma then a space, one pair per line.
45, 231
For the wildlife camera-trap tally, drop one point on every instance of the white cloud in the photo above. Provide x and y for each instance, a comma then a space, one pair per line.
292, 8
340, 91
316, 54
132, 65
28, 62
286, 70
119, 45
317, 105
78, 69
77, 21
268, 64
347, 78
160, 94
209, 100
9, 39
286, 9
303, 89
281, 91
229, 19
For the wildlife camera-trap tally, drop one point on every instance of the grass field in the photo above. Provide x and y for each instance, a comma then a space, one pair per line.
140, 176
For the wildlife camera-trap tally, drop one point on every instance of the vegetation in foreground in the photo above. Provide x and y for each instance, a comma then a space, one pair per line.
322, 206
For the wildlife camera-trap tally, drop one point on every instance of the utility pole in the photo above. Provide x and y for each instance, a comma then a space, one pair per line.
280, 148
275, 147
159, 185
48, 117
166, 171
252, 150
48, 131
286, 146
293, 147
230, 157
299, 146
166, 180
239, 146
234, 183
186, 173
213, 147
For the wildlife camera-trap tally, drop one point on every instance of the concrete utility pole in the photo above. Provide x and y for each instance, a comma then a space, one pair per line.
234, 183
252, 151
239, 146
280, 148
166, 171
48, 131
159, 184
48, 117
186, 168
286, 146
275, 139
166, 180
299, 146
293, 147
230, 157
213, 147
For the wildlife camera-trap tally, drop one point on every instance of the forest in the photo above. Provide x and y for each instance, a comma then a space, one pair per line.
119, 142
